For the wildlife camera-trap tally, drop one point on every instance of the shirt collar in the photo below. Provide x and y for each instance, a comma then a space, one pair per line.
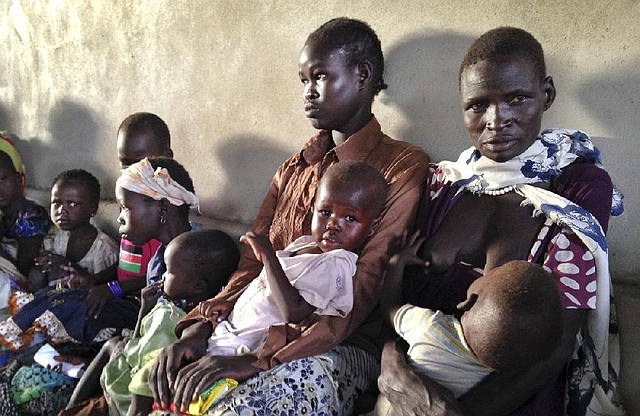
356, 147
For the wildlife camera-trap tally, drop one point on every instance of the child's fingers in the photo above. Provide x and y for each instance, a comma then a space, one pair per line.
246, 238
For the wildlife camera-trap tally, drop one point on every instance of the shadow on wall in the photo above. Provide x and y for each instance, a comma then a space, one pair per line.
75, 143
6, 121
249, 163
422, 73
75, 126
613, 99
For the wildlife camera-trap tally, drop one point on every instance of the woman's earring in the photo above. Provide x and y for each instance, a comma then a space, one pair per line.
163, 220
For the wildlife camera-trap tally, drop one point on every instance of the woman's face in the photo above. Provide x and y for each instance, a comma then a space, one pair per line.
331, 89
10, 184
502, 101
139, 217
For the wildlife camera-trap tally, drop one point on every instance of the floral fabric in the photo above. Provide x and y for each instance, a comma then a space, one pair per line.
322, 385
31, 222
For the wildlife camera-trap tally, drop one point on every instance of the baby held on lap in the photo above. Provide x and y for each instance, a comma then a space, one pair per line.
511, 319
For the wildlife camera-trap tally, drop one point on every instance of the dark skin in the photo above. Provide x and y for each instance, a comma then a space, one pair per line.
337, 98
11, 202
178, 282
71, 210
339, 221
132, 148
139, 222
184, 285
503, 101
294, 308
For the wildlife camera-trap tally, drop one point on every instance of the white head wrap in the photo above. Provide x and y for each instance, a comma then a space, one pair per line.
142, 179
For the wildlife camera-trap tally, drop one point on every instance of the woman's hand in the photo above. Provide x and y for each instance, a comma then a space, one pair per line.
215, 310
195, 378
97, 298
411, 394
190, 347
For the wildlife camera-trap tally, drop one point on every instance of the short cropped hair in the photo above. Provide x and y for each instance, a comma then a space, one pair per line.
353, 177
84, 178
505, 41
212, 255
357, 40
179, 174
528, 323
138, 123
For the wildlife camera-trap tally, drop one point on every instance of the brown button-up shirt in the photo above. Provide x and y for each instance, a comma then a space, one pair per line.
286, 214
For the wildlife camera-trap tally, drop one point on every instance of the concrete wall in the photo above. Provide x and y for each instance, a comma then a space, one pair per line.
223, 74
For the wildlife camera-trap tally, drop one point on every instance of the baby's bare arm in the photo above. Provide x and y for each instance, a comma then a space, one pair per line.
391, 299
287, 298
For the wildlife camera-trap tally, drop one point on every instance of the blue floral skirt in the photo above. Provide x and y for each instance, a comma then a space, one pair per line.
326, 384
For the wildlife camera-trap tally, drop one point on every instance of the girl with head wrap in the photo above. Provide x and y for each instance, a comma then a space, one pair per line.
155, 196
24, 223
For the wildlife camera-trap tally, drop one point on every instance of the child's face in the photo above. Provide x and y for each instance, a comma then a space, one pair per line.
134, 148
331, 93
71, 205
340, 220
10, 184
139, 216
178, 281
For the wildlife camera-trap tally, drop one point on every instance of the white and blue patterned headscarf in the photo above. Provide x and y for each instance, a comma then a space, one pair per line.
544, 159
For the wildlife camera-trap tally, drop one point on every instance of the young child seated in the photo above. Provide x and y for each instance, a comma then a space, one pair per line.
199, 264
512, 318
311, 275
75, 196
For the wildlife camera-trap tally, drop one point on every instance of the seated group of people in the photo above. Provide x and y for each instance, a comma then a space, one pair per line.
491, 269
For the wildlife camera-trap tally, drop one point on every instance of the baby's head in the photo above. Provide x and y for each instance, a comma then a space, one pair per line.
349, 200
513, 316
142, 135
75, 196
199, 264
